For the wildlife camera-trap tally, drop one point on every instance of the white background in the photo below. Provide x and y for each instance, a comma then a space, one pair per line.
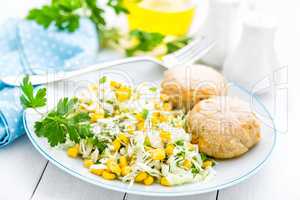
25, 174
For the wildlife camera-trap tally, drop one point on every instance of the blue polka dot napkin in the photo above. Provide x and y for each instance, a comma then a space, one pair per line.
27, 48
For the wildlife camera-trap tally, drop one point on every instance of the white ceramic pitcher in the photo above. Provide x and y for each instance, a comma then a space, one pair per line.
221, 24
254, 61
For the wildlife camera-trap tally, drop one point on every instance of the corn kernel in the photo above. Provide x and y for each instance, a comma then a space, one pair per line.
123, 94
123, 138
157, 106
113, 167
141, 176
165, 136
141, 126
207, 164
96, 171
167, 106
169, 149
125, 170
154, 120
73, 151
164, 181
87, 163
139, 117
163, 118
115, 84
95, 116
187, 164
116, 144
130, 129
158, 154
149, 180
108, 176
123, 161
164, 97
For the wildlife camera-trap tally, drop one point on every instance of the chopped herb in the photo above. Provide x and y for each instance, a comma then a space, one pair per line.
203, 156
153, 89
145, 113
102, 79
179, 142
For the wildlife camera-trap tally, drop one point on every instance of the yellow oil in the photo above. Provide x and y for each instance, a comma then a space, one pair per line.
161, 21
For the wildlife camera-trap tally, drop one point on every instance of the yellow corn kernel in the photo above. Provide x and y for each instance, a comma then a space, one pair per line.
207, 164
87, 163
154, 120
115, 84
95, 116
165, 136
108, 176
123, 161
158, 154
130, 129
141, 126
164, 181
117, 144
125, 170
187, 164
141, 176
73, 151
113, 167
123, 94
139, 117
149, 180
163, 118
169, 149
123, 138
167, 106
157, 106
96, 171
164, 97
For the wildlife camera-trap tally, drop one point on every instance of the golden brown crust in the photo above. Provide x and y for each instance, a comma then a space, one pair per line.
188, 85
224, 127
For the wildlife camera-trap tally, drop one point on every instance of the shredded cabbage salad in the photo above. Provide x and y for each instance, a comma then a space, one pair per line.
139, 137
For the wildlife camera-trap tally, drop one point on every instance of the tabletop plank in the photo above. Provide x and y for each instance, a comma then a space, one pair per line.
20, 169
277, 180
208, 196
58, 185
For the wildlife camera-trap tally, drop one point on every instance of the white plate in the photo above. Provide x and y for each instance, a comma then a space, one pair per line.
229, 172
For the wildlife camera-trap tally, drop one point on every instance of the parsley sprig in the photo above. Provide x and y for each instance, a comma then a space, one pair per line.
63, 122
66, 14
30, 99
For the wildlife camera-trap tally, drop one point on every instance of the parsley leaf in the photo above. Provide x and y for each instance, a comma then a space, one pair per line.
28, 98
117, 6
147, 41
63, 122
177, 44
66, 14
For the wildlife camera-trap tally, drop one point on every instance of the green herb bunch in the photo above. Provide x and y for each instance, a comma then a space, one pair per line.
66, 14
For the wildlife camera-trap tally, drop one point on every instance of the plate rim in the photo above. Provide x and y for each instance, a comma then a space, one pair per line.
153, 193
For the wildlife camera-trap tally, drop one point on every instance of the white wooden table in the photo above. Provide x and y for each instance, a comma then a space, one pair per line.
25, 174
